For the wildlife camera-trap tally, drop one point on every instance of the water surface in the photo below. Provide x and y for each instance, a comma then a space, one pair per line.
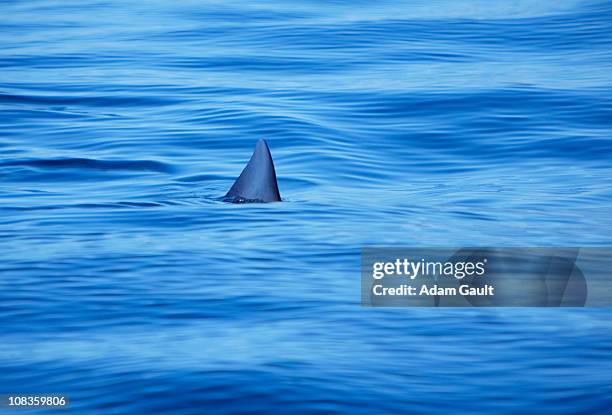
127, 284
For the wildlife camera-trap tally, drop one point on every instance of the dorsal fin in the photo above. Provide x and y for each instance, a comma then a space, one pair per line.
257, 182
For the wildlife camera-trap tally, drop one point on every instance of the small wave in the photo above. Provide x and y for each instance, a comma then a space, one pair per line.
83, 101
84, 163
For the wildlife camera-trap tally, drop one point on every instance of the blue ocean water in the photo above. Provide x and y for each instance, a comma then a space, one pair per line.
127, 284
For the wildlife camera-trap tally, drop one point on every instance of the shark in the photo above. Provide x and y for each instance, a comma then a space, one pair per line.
257, 183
